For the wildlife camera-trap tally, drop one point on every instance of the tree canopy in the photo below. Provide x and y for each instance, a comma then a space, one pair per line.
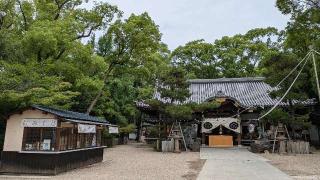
236, 56
42, 57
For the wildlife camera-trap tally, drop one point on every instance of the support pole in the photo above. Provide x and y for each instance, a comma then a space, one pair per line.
184, 141
316, 74
275, 138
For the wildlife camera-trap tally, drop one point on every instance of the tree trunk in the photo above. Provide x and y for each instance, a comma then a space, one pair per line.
291, 116
291, 109
95, 100
139, 128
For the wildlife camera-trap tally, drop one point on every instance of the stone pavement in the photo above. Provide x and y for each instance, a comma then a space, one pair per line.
237, 164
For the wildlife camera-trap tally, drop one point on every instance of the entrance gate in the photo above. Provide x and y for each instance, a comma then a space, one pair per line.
220, 132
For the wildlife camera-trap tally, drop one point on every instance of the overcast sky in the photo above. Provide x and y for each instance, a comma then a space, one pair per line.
181, 21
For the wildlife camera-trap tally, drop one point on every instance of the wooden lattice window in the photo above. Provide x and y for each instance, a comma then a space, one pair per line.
81, 140
98, 136
66, 139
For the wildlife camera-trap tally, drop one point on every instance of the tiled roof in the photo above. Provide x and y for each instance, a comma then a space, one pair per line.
71, 115
249, 92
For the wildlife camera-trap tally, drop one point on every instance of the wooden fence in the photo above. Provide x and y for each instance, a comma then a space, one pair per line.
294, 147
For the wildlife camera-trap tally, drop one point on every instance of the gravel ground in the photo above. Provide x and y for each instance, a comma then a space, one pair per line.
137, 161
134, 161
300, 166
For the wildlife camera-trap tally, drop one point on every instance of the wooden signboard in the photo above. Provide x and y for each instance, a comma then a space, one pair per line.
39, 123
113, 130
84, 128
220, 141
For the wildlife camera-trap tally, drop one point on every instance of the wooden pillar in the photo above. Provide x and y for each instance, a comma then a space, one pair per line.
203, 139
57, 145
239, 139
240, 133
176, 144
139, 127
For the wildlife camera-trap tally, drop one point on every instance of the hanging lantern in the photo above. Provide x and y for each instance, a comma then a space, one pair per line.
251, 128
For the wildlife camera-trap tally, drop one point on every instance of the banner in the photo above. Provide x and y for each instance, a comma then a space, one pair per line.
113, 130
39, 123
83, 128
230, 123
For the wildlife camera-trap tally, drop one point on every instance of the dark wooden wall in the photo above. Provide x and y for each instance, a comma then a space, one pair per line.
48, 164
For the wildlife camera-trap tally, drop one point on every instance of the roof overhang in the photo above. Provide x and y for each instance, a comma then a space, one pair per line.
88, 122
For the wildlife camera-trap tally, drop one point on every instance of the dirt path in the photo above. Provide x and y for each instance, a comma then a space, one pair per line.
134, 161
300, 166
137, 161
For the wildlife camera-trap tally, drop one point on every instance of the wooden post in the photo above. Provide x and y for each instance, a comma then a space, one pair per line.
316, 74
176, 145
24, 138
239, 139
58, 128
274, 141
282, 148
297, 147
203, 139
287, 132
307, 148
289, 146
57, 145
139, 128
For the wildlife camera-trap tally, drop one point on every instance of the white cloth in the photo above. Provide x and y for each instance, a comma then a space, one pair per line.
230, 123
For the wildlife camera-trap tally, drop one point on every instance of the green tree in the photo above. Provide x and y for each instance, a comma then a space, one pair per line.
235, 56
240, 55
173, 91
277, 67
173, 85
132, 47
303, 28
134, 57
302, 32
42, 58
197, 58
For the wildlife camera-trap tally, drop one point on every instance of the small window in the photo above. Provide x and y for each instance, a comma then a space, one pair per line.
39, 139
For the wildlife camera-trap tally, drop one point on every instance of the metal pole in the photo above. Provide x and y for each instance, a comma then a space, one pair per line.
315, 72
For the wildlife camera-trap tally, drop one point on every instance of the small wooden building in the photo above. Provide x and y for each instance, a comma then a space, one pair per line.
44, 140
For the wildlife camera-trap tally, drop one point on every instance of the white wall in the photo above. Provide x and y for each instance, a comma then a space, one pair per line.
14, 130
